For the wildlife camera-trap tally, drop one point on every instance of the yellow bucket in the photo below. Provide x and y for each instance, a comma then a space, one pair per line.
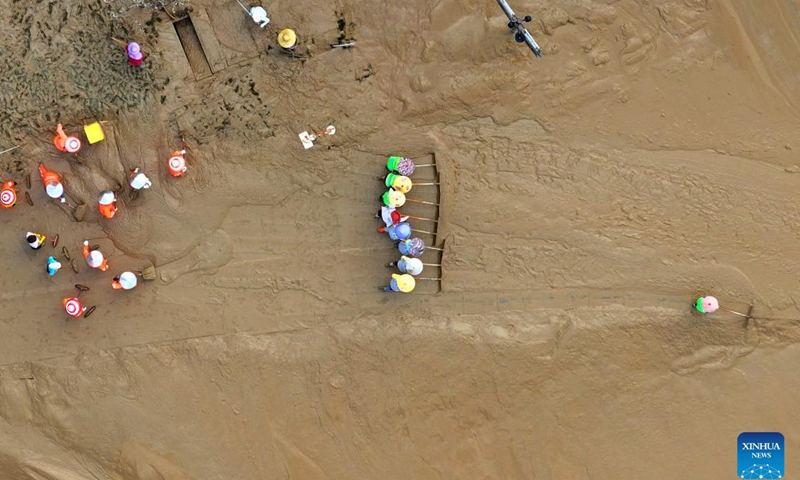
94, 133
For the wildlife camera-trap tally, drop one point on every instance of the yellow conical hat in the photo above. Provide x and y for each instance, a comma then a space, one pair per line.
287, 38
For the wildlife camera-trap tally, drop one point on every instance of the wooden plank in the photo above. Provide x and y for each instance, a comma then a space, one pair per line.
192, 48
174, 59
208, 39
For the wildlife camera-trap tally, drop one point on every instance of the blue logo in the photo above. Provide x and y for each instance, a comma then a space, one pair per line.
761, 455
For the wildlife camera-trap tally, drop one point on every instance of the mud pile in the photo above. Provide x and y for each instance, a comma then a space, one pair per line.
586, 198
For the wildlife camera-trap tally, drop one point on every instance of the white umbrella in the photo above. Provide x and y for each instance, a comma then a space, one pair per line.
95, 259
54, 190
106, 197
127, 280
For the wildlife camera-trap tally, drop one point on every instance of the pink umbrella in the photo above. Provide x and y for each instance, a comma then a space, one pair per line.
709, 304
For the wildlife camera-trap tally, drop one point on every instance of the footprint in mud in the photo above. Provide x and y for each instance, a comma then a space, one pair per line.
213, 252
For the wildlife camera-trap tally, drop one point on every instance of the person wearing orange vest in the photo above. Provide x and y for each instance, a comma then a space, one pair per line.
94, 258
66, 143
73, 307
8, 194
52, 183
125, 281
107, 204
177, 163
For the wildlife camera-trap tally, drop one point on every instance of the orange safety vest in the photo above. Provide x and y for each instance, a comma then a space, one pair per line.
108, 211
48, 176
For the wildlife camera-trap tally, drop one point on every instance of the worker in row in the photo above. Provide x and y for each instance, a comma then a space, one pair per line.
409, 265
393, 198
390, 216
400, 283
399, 231
397, 182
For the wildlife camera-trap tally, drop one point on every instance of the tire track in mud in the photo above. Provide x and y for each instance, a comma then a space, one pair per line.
541, 319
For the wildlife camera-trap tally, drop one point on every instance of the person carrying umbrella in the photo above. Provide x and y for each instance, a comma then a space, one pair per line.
125, 281
94, 258
52, 183
398, 182
390, 216
402, 165
400, 283
393, 198
400, 231
409, 265
412, 247
73, 306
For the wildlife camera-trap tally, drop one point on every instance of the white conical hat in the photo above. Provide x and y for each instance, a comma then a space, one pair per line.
95, 259
106, 197
127, 280
54, 190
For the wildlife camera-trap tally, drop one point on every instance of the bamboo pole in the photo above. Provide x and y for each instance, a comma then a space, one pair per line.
421, 218
421, 201
735, 313
9, 149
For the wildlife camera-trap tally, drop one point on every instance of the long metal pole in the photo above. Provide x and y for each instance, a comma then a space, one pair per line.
516, 25
245, 8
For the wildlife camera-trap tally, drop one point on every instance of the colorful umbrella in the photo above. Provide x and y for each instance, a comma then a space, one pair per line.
707, 304
414, 247
405, 167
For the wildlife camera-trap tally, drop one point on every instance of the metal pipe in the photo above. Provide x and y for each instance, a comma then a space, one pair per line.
515, 24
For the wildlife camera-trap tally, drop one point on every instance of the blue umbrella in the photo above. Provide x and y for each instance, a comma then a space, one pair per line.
401, 231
